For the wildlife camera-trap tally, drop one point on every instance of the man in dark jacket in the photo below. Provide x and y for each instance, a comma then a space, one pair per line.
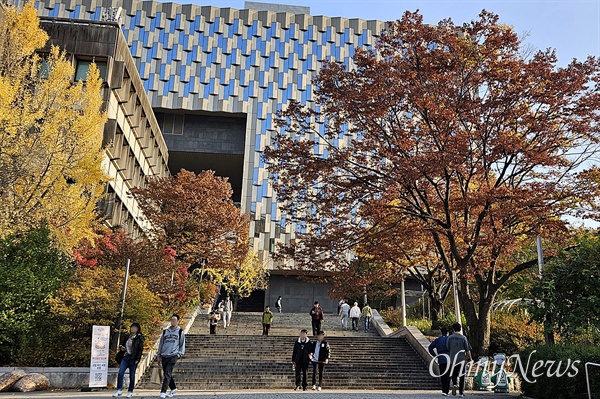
316, 314
438, 350
319, 357
301, 359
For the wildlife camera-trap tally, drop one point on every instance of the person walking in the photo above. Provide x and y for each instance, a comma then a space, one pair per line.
267, 319
278, 305
355, 316
438, 350
226, 307
317, 316
319, 357
344, 314
129, 357
170, 349
301, 359
460, 352
367, 313
213, 321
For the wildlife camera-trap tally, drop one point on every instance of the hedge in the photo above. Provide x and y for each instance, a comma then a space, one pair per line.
565, 386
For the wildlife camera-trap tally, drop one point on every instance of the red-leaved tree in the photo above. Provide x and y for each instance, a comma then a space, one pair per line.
195, 215
454, 132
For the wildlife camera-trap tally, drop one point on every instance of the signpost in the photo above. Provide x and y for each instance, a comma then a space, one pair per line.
99, 357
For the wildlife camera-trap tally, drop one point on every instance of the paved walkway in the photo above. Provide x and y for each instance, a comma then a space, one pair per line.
261, 395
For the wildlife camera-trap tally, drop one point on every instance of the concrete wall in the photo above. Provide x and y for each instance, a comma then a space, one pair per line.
297, 295
211, 134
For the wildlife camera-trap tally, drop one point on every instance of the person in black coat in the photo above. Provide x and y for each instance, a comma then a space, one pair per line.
319, 357
129, 356
301, 359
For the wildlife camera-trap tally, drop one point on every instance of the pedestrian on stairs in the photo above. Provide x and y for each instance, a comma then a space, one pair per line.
129, 357
170, 349
267, 319
344, 314
319, 358
278, 305
355, 316
213, 321
226, 307
301, 359
367, 313
316, 314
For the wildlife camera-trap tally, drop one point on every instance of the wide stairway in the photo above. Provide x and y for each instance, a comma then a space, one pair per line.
239, 357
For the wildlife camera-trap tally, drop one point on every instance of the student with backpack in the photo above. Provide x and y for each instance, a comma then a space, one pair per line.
170, 349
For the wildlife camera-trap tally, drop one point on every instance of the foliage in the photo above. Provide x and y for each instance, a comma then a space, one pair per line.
460, 146
196, 216
33, 268
242, 280
156, 264
564, 387
569, 292
50, 134
92, 297
393, 317
513, 332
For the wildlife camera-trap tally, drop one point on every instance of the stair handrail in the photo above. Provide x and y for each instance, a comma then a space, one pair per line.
587, 377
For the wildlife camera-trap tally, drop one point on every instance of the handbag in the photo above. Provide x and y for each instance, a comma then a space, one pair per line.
120, 355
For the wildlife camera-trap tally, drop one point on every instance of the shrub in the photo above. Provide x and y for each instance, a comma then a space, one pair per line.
564, 387
512, 333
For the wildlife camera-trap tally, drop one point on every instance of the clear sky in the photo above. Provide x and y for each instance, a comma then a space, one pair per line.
572, 27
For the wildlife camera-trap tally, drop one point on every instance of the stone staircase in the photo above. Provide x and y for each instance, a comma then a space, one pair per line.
241, 358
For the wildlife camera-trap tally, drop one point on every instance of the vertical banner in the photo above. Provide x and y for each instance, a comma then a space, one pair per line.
99, 358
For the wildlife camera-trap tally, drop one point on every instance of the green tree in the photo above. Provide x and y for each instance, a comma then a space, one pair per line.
568, 295
32, 269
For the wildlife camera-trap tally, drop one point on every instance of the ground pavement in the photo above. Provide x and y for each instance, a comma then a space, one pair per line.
261, 395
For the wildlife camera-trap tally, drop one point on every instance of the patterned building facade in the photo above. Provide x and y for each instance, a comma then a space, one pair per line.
202, 63
134, 145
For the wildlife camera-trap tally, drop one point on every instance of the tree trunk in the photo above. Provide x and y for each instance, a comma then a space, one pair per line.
436, 308
478, 317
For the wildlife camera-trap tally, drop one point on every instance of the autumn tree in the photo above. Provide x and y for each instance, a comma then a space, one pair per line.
196, 216
50, 134
166, 276
453, 131
243, 279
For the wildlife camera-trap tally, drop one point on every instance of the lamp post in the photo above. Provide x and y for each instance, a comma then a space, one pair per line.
123, 294
403, 294
456, 303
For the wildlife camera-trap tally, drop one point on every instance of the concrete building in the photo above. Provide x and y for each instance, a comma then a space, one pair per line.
216, 77
134, 144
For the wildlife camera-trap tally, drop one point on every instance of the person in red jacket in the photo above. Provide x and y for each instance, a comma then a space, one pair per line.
316, 313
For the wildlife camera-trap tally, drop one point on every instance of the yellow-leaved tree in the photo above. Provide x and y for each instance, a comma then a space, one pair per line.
50, 134
243, 279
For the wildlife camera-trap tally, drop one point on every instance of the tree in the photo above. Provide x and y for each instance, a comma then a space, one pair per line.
92, 297
33, 268
196, 216
50, 134
242, 280
568, 295
165, 275
453, 132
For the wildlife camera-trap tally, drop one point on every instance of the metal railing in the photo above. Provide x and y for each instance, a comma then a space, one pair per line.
587, 377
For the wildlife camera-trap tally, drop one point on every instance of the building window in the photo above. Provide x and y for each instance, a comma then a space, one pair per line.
171, 123
83, 66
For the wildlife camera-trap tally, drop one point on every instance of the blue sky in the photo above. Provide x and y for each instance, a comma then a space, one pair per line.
570, 26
